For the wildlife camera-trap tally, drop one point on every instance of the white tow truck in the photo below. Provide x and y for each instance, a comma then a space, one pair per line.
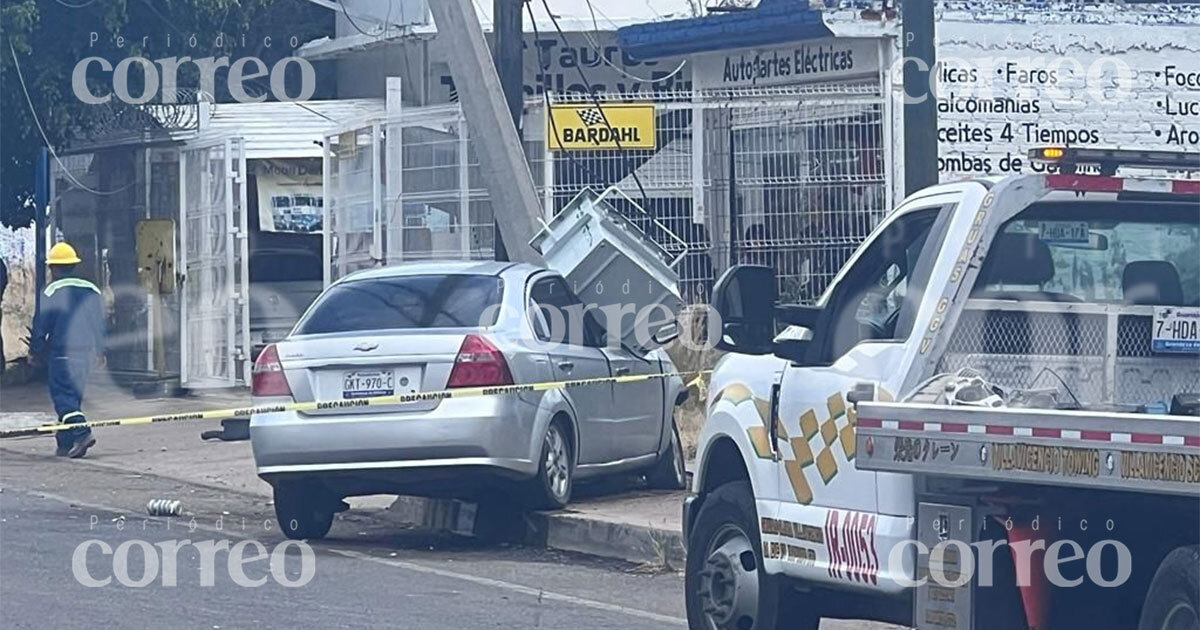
987, 421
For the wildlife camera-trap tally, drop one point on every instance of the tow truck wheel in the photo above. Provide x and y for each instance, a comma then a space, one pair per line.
1174, 597
727, 588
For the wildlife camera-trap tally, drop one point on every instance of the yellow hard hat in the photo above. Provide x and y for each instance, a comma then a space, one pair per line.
62, 254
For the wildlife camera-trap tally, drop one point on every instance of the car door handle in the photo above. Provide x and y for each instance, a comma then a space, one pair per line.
622, 371
566, 365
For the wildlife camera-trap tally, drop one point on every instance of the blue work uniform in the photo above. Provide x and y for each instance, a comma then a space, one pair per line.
68, 333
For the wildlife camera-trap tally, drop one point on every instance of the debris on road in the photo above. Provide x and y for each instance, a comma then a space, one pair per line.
165, 507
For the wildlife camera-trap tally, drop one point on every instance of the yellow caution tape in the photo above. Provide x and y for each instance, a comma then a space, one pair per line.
353, 403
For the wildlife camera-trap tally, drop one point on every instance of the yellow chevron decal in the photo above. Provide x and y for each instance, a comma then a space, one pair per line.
734, 392
833, 431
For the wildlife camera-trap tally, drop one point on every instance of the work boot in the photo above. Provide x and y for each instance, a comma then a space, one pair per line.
81, 445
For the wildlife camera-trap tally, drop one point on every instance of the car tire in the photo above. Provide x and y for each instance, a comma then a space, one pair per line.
726, 587
669, 472
1174, 596
551, 488
303, 513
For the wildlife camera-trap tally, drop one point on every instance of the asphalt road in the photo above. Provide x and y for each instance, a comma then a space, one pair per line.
367, 574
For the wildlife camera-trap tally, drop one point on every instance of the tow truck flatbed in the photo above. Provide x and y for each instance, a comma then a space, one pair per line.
1114, 451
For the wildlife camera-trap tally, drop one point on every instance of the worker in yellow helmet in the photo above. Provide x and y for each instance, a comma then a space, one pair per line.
68, 336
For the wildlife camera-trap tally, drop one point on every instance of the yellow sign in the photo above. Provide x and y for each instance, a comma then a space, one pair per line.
608, 126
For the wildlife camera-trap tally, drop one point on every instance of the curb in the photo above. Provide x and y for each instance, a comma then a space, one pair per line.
564, 531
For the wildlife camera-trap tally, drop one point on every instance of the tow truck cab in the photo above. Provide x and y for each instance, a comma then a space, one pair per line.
1077, 281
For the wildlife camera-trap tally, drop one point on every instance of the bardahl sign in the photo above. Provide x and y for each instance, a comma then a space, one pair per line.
608, 126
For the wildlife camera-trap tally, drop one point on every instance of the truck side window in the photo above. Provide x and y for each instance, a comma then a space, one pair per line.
874, 299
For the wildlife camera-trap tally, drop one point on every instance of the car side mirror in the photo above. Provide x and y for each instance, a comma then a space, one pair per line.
744, 297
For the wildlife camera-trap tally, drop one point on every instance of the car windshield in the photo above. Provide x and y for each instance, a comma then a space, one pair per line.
405, 302
1111, 252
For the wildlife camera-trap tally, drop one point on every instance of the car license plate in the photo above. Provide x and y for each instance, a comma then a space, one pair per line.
1176, 329
368, 383
1074, 232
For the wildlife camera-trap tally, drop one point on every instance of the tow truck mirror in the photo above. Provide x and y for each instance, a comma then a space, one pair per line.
744, 297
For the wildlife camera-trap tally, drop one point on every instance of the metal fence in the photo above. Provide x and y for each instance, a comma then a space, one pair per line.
409, 187
793, 178
789, 177
1097, 354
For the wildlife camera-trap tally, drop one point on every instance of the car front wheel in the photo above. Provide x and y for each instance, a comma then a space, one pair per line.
668, 472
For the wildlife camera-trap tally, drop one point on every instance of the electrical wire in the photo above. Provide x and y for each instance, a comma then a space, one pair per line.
383, 32
622, 71
46, 139
546, 97
596, 100
355, 24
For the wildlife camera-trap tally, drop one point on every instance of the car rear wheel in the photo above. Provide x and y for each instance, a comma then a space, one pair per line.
551, 489
303, 513
669, 472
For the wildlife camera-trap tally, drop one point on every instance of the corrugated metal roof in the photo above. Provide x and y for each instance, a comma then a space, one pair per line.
286, 129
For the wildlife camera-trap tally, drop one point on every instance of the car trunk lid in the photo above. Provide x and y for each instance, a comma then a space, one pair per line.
354, 366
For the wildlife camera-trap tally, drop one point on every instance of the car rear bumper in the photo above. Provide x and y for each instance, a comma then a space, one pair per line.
485, 432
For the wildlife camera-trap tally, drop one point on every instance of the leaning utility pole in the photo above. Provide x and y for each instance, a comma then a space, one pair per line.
507, 44
514, 199
508, 41
920, 101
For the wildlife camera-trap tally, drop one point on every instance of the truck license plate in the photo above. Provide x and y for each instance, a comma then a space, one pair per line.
1176, 329
368, 383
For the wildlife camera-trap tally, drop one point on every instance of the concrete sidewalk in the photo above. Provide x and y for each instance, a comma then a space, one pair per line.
614, 519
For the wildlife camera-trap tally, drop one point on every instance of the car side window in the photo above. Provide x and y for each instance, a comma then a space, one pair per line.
564, 315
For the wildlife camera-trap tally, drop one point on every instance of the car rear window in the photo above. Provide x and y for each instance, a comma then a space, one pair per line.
405, 302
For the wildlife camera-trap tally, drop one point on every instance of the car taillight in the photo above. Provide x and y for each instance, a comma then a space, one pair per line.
479, 363
267, 378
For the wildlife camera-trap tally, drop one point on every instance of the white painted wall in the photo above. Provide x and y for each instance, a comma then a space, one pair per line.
1122, 104
1086, 76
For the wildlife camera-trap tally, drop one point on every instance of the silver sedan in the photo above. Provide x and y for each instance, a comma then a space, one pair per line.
437, 326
